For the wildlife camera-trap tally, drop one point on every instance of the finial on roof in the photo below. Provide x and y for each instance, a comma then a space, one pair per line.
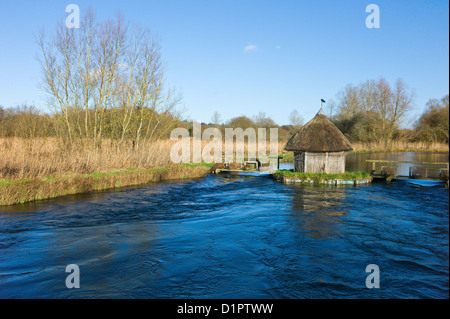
321, 112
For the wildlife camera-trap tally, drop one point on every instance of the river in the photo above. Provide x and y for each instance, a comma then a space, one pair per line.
232, 236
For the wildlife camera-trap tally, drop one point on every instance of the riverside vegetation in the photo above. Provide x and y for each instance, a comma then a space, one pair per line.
321, 178
40, 169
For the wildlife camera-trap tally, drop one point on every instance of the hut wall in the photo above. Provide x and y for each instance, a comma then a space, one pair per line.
336, 162
299, 162
316, 162
326, 162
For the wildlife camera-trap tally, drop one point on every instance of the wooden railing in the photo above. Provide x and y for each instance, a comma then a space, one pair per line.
411, 169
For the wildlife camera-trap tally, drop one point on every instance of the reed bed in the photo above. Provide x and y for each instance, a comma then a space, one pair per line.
400, 146
42, 168
49, 157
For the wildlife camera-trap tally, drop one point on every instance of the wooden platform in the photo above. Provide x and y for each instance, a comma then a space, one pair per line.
388, 171
251, 166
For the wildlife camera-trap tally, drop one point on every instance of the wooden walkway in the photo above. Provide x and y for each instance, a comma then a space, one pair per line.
250, 166
423, 170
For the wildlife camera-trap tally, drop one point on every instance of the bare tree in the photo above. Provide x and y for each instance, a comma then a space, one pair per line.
367, 95
331, 108
57, 66
374, 109
107, 72
295, 118
262, 120
216, 118
350, 100
433, 124
391, 106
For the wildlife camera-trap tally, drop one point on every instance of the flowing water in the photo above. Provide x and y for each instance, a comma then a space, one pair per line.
231, 236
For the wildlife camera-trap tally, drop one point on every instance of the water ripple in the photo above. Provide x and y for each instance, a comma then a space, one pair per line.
230, 236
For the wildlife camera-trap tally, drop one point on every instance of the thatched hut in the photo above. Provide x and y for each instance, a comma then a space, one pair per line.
319, 147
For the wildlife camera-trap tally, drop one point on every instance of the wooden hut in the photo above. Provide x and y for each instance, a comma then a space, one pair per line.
319, 147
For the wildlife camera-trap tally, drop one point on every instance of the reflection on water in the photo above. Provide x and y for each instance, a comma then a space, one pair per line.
230, 236
314, 206
313, 198
357, 162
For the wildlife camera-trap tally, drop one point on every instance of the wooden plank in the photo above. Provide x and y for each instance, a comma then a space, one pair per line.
408, 162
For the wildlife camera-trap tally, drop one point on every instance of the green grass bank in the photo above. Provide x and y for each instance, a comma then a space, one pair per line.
352, 178
28, 190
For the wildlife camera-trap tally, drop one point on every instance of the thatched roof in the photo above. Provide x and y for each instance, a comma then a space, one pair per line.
319, 135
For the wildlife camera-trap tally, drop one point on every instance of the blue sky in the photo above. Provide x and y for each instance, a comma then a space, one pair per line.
297, 51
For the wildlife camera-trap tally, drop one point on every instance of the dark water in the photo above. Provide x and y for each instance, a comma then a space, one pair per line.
230, 237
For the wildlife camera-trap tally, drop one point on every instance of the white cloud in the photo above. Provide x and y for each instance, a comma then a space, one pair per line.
278, 47
250, 48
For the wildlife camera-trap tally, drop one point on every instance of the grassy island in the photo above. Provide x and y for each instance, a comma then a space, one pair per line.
288, 176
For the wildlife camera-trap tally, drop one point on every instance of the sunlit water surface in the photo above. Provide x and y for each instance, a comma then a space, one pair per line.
230, 236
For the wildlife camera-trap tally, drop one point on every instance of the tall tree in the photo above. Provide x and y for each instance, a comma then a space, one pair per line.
106, 69
295, 118
216, 118
374, 109
433, 124
263, 121
350, 101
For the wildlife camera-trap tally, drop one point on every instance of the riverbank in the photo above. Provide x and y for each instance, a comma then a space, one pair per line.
347, 178
43, 168
27, 190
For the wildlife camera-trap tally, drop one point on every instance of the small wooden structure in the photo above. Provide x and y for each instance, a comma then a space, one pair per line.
319, 147
428, 170
251, 165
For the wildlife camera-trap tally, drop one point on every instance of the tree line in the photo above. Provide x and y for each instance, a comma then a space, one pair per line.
375, 111
26, 121
260, 120
357, 121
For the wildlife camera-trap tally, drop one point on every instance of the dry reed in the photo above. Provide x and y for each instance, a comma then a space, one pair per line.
400, 146
40, 168
48, 157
